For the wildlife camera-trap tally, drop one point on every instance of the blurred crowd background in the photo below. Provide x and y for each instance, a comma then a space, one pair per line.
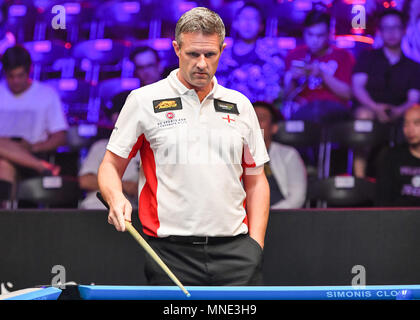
109, 48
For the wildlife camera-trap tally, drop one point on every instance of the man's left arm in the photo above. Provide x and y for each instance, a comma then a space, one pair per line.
337, 86
257, 202
340, 81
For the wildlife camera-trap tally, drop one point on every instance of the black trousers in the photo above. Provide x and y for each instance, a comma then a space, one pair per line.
234, 262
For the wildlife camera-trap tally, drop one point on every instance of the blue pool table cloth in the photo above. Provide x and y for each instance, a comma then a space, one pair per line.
49, 293
393, 292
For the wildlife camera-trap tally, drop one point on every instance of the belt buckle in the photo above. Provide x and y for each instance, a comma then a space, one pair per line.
202, 242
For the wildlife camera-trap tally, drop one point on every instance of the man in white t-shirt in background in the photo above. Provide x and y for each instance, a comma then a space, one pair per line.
32, 120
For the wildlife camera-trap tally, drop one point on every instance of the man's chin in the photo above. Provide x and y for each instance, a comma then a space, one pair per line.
200, 83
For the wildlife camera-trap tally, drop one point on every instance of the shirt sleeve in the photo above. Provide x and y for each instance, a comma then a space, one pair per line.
127, 136
56, 119
255, 153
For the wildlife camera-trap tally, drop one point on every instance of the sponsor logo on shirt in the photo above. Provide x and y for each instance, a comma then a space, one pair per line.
224, 106
171, 122
167, 104
412, 189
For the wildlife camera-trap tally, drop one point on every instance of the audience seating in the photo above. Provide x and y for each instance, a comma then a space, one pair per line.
110, 87
49, 192
357, 134
303, 134
5, 190
44, 54
78, 21
21, 20
341, 191
75, 94
120, 19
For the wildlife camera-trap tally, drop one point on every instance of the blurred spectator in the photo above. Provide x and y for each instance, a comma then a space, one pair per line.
252, 65
88, 179
398, 182
7, 39
147, 68
318, 74
385, 82
411, 41
32, 121
286, 173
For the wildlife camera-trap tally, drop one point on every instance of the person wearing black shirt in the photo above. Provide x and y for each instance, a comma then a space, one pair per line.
398, 182
385, 82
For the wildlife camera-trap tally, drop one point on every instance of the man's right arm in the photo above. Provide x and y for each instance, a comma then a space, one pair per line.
110, 175
359, 90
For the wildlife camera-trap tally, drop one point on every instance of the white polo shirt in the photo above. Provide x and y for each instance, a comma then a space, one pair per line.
193, 156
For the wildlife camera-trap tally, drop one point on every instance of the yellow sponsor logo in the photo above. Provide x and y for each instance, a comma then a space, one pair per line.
166, 104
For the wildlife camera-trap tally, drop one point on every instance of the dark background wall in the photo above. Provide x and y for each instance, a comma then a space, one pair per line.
303, 247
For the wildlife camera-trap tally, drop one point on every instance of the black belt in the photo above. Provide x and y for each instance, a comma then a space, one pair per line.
197, 240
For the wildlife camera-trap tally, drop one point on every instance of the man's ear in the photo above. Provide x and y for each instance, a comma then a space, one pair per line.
176, 47
223, 47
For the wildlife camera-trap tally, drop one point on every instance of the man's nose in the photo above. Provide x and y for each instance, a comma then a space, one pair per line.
201, 62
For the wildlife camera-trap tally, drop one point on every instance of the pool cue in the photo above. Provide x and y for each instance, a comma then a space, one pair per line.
148, 249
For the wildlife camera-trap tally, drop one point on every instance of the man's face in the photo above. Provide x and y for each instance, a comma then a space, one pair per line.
316, 37
198, 56
17, 80
147, 68
248, 23
412, 126
391, 30
266, 124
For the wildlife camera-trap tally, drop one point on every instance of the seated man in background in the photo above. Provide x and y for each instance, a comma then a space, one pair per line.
147, 68
398, 182
32, 120
318, 75
286, 173
385, 82
88, 179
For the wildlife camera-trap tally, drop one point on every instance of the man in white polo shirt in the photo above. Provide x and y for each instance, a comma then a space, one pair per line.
203, 194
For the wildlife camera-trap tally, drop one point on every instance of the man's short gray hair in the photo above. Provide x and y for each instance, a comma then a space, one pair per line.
202, 20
